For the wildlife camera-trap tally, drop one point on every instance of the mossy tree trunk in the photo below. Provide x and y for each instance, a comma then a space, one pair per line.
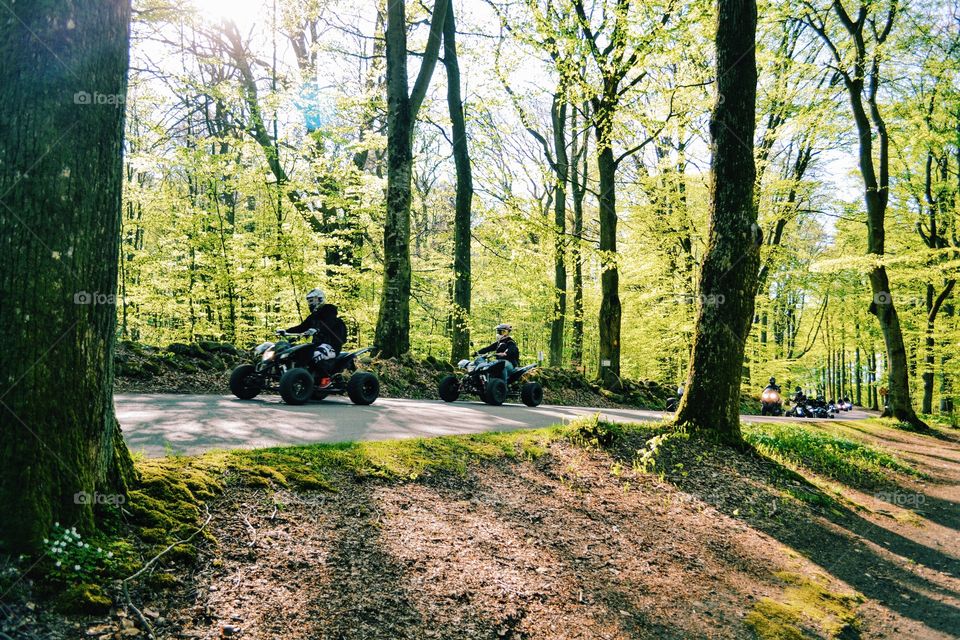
63, 82
392, 336
460, 339
728, 278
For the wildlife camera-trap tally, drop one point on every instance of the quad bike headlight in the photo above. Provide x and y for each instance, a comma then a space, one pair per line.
262, 347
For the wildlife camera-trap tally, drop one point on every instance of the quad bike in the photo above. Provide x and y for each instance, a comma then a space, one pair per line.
771, 404
484, 378
289, 369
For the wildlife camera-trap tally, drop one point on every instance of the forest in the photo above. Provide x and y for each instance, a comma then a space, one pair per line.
559, 181
685, 216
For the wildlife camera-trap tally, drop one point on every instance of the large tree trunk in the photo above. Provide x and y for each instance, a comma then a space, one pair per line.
63, 83
558, 115
460, 340
579, 188
728, 278
610, 310
392, 336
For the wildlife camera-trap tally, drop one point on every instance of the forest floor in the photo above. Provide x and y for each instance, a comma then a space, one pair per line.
828, 530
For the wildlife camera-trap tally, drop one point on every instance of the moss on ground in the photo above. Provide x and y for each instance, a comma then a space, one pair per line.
807, 607
83, 598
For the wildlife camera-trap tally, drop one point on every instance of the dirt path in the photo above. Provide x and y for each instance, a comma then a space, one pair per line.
577, 544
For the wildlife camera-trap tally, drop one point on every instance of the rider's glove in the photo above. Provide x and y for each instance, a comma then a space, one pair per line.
281, 332
309, 332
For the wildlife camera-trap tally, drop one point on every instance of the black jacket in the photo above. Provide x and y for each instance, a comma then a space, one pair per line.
330, 328
504, 345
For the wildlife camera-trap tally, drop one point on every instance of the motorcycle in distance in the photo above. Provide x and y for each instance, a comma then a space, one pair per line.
288, 368
771, 404
483, 377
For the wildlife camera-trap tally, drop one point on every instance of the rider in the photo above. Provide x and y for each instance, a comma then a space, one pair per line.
773, 385
327, 329
504, 349
798, 396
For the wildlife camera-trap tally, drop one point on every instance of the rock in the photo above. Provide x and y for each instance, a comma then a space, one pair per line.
99, 630
127, 623
130, 633
150, 613
229, 630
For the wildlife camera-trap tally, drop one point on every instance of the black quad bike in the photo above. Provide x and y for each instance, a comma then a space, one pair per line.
484, 378
288, 368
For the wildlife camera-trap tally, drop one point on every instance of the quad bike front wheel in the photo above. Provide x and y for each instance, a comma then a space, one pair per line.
244, 382
449, 389
531, 393
363, 388
495, 392
296, 386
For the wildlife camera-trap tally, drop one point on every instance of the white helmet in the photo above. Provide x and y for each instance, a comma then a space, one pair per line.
315, 299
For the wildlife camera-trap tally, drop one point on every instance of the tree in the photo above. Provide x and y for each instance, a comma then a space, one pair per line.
615, 59
392, 335
60, 178
861, 75
460, 338
729, 273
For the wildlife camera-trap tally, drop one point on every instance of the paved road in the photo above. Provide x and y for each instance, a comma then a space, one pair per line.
163, 424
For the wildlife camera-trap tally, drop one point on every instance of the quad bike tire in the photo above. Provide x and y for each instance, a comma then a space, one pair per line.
531, 393
495, 392
296, 386
449, 389
240, 384
363, 388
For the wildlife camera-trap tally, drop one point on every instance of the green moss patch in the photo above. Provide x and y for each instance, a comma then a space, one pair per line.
83, 598
806, 608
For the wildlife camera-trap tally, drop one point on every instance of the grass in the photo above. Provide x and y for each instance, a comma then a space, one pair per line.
835, 457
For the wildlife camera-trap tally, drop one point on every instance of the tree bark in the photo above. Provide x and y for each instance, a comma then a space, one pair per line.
392, 335
460, 339
730, 268
610, 309
578, 185
63, 83
558, 115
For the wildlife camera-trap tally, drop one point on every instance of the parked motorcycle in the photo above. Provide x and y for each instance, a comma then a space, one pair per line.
483, 378
288, 368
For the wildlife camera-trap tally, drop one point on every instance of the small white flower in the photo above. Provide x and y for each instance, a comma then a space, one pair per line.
79, 544
59, 563
56, 525
109, 554
86, 545
99, 550
76, 567
45, 541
